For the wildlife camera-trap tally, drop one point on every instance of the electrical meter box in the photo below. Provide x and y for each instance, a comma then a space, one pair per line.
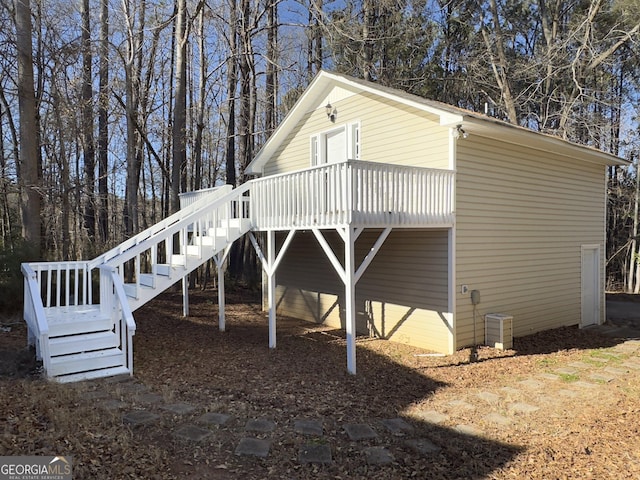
498, 331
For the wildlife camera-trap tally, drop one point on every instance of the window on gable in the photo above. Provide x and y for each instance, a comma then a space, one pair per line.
336, 145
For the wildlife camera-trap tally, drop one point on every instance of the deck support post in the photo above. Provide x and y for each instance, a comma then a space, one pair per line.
350, 298
350, 276
220, 258
270, 265
185, 296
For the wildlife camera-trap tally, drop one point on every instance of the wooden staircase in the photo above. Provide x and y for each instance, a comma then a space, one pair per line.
78, 336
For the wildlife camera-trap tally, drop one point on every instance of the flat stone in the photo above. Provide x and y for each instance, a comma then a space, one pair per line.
599, 359
179, 408
631, 365
461, 404
254, 447
545, 399
378, 456
601, 377
118, 379
313, 453
140, 417
261, 425
568, 393
513, 392
132, 387
579, 365
100, 395
531, 383
629, 346
112, 404
497, 419
548, 376
488, 397
397, 426
150, 398
615, 371
360, 431
566, 371
191, 433
423, 446
468, 430
309, 426
431, 416
212, 418
582, 384
520, 407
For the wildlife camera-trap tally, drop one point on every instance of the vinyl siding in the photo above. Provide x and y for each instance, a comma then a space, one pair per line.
522, 216
401, 297
390, 133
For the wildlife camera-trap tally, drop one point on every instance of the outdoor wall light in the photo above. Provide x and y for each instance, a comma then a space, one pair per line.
460, 133
332, 112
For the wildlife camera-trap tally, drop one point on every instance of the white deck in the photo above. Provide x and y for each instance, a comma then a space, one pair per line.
87, 340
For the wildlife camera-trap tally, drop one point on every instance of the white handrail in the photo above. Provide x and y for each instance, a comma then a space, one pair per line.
193, 213
119, 296
162, 225
34, 316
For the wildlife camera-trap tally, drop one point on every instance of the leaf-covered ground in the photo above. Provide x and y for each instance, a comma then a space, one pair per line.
586, 423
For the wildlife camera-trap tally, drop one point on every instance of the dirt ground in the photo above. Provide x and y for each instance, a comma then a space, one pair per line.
595, 434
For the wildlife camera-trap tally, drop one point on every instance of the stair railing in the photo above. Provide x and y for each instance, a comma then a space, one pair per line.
34, 316
114, 299
195, 218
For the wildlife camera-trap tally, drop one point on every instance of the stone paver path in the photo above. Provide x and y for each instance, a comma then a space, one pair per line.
500, 407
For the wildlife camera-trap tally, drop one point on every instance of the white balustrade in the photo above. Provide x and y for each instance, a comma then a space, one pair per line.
360, 193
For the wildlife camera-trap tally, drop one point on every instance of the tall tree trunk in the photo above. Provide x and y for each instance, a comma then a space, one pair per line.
499, 63
179, 140
197, 144
247, 91
318, 56
103, 128
232, 85
89, 217
8, 240
368, 40
28, 166
271, 80
132, 88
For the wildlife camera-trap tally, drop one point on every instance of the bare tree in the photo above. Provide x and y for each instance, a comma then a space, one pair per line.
88, 147
179, 130
29, 168
103, 127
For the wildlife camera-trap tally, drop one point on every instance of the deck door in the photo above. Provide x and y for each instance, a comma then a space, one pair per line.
590, 255
336, 146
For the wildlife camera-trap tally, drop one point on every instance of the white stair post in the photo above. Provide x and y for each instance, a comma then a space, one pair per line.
220, 258
350, 298
271, 286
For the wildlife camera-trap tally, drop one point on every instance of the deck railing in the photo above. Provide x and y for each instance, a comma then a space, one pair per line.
360, 193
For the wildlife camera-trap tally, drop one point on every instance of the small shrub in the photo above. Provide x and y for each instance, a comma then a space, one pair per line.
11, 279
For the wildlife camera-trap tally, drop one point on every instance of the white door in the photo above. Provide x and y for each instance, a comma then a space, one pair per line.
336, 146
590, 285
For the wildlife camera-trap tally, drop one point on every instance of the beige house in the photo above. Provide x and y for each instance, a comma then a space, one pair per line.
462, 202
379, 212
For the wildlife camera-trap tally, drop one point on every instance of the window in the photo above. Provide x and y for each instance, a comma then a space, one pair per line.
336, 145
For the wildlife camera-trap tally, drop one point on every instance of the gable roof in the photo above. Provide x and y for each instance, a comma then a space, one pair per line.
449, 115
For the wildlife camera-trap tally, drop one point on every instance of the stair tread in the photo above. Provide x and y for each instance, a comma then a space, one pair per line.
108, 352
73, 314
81, 337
